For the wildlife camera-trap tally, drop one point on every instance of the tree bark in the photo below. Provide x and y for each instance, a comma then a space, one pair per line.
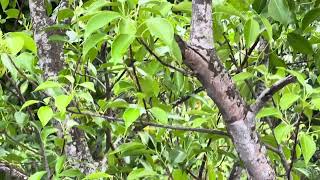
51, 60
201, 57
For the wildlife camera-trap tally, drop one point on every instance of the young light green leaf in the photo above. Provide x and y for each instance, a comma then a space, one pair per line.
299, 43
15, 44
279, 11
251, 32
264, 112
37, 175
47, 85
45, 113
62, 101
59, 164
88, 85
121, 44
160, 115
141, 173
130, 116
162, 29
92, 41
127, 26
242, 76
308, 147
6, 61
100, 20
282, 131
29, 103
98, 175
311, 16
29, 43
287, 100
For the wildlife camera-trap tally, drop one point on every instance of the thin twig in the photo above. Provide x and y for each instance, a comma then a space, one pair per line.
159, 59
293, 152
249, 52
180, 128
204, 160
268, 93
185, 98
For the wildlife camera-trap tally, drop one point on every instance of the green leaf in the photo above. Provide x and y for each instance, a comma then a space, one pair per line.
15, 44
242, 76
129, 116
316, 102
259, 5
62, 101
25, 61
45, 113
251, 32
178, 174
121, 44
184, 6
131, 146
7, 63
162, 29
46, 131
59, 164
281, 132
4, 4
299, 43
268, 27
92, 41
70, 173
29, 43
279, 11
100, 20
287, 100
98, 175
160, 115
47, 85
308, 147
20, 118
264, 112
65, 13
127, 26
141, 173
311, 16
37, 175
12, 13
29, 103
88, 85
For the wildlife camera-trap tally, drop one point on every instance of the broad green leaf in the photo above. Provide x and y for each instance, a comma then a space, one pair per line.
264, 112
28, 42
70, 173
242, 76
279, 11
178, 81
45, 113
6, 61
268, 27
160, 115
59, 164
121, 44
118, 103
251, 32
259, 5
311, 16
25, 61
98, 175
130, 116
47, 85
184, 6
308, 147
282, 131
65, 13
178, 174
46, 131
37, 175
15, 44
131, 146
162, 29
4, 4
92, 41
88, 85
177, 156
287, 100
316, 102
176, 51
299, 43
62, 101
29, 103
127, 26
20, 118
141, 173
100, 20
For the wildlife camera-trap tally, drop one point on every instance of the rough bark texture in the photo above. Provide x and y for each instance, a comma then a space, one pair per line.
201, 57
51, 61
50, 54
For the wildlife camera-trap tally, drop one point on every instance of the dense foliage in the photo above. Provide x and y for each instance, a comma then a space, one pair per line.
142, 111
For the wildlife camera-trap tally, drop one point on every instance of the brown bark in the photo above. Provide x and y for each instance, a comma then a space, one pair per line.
200, 56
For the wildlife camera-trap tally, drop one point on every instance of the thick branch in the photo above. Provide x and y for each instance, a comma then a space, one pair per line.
268, 93
12, 172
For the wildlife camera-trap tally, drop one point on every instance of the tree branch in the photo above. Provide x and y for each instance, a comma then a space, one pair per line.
268, 93
12, 171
